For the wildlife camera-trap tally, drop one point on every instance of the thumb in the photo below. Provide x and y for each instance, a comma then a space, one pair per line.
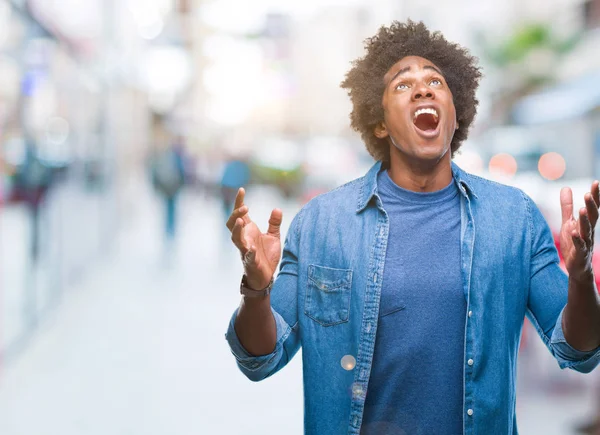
275, 223
566, 204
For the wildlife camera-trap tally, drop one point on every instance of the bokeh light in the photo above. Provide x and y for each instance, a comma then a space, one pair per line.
503, 164
552, 166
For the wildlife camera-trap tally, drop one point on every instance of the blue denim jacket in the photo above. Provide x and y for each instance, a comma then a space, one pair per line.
327, 293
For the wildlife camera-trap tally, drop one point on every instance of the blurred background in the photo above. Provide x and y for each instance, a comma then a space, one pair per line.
127, 126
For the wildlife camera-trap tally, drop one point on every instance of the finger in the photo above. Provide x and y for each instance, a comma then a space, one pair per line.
237, 236
596, 192
238, 213
585, 229
578, 241
592, 209
566, 204
275, 222
239, 198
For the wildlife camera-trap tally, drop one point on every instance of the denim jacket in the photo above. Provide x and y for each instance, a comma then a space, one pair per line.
326, 299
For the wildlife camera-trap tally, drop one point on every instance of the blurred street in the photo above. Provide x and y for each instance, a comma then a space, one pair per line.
138, 346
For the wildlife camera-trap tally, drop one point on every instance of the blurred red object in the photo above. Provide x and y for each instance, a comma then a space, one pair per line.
595, 260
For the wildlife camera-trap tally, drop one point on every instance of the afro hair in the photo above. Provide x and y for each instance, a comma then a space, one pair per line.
365, 84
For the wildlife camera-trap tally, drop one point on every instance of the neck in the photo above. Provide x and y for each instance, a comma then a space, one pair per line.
420, 176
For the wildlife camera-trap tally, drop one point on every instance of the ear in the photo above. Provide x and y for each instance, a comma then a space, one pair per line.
380, 131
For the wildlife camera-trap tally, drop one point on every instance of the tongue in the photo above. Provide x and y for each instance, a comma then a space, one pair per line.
426, 122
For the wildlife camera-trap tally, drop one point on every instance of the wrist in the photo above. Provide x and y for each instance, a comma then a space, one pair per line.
582, 279
256, 283
260, 291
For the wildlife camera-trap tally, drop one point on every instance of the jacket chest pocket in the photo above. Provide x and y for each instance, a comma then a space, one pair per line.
328, 294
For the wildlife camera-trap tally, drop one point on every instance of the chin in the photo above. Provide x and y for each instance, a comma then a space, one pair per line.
432, 152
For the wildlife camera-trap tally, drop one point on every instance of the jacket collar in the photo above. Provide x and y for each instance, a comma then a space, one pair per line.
368, 187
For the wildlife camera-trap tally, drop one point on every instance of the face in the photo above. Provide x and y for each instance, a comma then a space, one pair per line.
419, 113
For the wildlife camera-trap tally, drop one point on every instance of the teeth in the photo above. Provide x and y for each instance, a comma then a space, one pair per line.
426, 110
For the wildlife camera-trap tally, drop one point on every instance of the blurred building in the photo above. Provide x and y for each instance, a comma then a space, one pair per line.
81, 81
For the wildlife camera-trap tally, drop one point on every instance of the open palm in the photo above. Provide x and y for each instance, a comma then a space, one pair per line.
577, 235
261, 252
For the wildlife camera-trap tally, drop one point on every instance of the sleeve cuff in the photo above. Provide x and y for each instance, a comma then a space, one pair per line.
254, 363
569, 357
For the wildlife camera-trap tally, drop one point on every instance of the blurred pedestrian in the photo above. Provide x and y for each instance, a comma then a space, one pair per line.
32, 181
236, 174
407, 288
168, 178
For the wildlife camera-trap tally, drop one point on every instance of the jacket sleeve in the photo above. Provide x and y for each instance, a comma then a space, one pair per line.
284, 305
548, 296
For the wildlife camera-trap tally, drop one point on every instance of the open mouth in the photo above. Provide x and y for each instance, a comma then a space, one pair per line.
426, 119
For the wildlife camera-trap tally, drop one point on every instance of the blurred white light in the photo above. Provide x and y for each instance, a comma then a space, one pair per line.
470, 161
151, 31
235, 80
223, 112
166, 69
10, 75
43, 105
146, 16
5, 12
57, 130
234, 16
234, 98
282, 154
242, 16
220, 45
237, 69
74, 18
137, 7
161, 102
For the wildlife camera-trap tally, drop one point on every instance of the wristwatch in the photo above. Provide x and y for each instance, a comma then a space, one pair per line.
251, 293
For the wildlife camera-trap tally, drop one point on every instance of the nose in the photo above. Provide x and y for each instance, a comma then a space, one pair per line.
421, 91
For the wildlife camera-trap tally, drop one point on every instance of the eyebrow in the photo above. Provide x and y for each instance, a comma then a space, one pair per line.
407, 69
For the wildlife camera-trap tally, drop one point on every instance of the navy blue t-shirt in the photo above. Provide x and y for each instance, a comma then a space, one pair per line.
416, 383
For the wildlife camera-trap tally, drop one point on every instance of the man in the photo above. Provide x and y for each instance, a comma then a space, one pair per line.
407, 288
168, 178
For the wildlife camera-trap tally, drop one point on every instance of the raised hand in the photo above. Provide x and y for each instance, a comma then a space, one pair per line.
577, 236
261, 252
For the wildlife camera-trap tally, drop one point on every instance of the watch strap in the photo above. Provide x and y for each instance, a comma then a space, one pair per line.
251, 293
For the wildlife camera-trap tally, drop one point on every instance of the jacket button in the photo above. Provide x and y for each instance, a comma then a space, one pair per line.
470, 362
470, 313
348, 362
470, 412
